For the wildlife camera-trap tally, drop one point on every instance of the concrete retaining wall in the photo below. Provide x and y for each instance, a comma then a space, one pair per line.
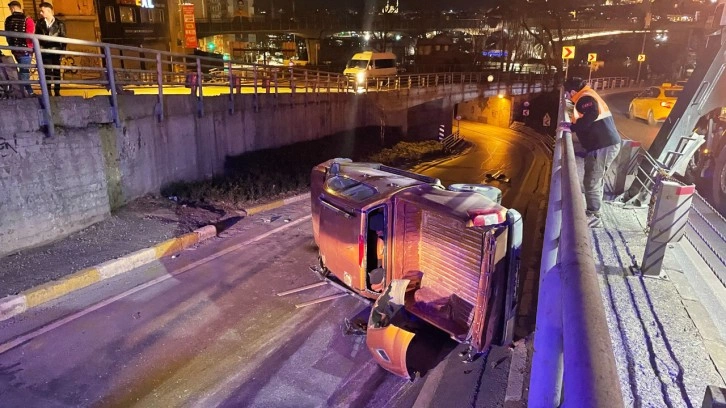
491, 110
51, 187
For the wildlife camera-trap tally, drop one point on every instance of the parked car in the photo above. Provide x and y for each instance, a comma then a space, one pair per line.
655, 103
422, 251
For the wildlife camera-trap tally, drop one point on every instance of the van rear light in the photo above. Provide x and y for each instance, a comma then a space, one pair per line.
361, 249
485, 217
666, 104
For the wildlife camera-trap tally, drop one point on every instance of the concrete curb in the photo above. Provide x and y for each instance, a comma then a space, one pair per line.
14, 305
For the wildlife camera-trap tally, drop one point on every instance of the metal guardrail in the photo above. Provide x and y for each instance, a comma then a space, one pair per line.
451, 140
573, 359
114, 69
706, 224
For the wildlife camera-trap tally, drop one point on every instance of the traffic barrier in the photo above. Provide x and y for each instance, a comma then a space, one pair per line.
715, 397
618, 176
573, 355
667, 223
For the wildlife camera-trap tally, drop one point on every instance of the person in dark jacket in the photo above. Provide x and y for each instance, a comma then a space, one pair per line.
595, 128
49, 25
20, 23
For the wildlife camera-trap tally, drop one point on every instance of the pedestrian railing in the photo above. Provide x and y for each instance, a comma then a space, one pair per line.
450, 141
111, 69
610, 82
573, 356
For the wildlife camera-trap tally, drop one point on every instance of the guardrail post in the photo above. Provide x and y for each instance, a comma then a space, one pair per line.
292, 82
231, 78
274, 78
111, 77
160, 85
668, 224
200, 90
44, 91
254, 79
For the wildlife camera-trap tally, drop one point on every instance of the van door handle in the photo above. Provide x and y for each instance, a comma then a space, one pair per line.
341, 211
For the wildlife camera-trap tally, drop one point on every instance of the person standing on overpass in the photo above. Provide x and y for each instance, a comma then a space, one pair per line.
20, 23
595, 128
51, 26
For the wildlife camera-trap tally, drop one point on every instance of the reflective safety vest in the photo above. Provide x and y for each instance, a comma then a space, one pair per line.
603, 110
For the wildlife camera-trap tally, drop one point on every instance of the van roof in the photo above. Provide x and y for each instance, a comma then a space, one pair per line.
368, 55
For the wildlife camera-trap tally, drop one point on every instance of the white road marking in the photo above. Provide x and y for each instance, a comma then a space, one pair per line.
45, 329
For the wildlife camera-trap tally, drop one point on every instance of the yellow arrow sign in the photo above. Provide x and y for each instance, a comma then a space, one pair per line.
641, 57
568, 52
592, 57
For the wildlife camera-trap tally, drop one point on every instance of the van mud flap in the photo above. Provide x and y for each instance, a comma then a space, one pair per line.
387, 342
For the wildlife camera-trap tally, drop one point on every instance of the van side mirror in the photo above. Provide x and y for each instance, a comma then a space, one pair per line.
335, 169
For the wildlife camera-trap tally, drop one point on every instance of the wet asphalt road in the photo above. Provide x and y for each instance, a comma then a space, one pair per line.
207, 328
635, 129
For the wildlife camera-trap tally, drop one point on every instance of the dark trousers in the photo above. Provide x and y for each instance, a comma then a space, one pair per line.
52, 74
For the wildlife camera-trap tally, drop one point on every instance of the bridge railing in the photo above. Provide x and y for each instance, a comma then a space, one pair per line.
573, 359
90, 68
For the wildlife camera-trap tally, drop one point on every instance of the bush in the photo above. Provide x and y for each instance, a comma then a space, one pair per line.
268, 174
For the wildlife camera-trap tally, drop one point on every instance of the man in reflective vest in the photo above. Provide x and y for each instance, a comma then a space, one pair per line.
595, 128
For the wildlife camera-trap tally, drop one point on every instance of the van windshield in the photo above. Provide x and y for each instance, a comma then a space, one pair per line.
357, 64
350, 188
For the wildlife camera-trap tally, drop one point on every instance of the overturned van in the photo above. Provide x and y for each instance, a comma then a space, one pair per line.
423, 252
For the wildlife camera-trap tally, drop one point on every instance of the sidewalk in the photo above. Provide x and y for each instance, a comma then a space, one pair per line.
668, 332
142, 223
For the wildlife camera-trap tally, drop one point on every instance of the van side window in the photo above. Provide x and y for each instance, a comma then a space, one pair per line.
385, 63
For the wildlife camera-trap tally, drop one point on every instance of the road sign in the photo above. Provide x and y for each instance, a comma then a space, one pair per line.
641, 57
592, 57
568, 52
546, 120
525, 112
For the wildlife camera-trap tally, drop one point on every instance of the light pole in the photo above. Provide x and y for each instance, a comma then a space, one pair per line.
648, 17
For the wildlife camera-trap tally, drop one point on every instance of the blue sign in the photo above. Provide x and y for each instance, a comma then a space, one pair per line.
494, 53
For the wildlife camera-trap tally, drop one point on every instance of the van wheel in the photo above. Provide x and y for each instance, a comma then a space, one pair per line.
651, 119
631, 112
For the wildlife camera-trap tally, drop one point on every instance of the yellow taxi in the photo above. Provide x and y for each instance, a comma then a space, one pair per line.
655, 103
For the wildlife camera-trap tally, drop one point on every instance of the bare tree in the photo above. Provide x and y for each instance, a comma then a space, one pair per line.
544, 21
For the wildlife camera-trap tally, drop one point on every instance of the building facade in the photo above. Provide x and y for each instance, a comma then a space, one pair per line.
139, 23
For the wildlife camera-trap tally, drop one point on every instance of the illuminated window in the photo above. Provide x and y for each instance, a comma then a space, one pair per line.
110, 12
127, 14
